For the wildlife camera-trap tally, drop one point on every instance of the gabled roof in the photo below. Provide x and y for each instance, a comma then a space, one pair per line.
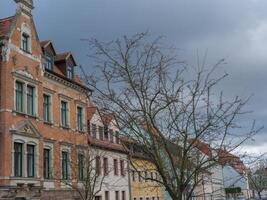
234, 161
46, 43
65, 56
91, 111
201, 146
5, 24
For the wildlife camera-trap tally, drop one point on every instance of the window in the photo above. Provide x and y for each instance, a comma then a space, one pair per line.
139, 177
146, 176
115, 162
80, 118
46, 107
30, 160
117, 196
123, 196
133, 175
117, 137
94, 130
25, 42
18, 159
98, 198
147, 198
98, 165
47, 172
122, 167
105, 163
80, 166
101, 132
49, 62
106, 132
65, 170
153, 198
69, 72
141, 198
111, 135
19, 96
64, 115
106, 195
30, 100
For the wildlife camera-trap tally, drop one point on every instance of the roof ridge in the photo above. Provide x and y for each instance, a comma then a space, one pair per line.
7, 18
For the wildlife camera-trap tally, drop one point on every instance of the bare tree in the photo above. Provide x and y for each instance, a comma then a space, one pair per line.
258, 179
85, 177
166, 107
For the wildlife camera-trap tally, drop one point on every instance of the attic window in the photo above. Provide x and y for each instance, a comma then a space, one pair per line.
69, 72
25, 42
49, 62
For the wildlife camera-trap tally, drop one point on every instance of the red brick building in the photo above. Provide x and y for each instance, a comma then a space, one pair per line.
42, 112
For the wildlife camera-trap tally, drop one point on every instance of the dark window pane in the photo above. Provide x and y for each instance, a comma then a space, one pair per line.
46, 108
30, 160
30, 100
18, 159
79, 118
19, 96
64, 116
25, 42
98, 165
65, 165
80, 166
47, 173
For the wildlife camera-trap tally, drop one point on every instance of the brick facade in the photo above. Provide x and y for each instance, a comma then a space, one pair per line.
27, 68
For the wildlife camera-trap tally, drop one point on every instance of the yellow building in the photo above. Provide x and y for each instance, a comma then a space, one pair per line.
142, 180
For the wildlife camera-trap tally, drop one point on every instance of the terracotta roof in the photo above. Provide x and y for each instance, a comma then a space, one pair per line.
106, 144
201, 146
5, 25
232, 160
45, 43
90, 112
57, 70
62, 56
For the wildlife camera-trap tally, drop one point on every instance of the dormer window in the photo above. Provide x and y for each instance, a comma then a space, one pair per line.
25, 42
49, 62
69, 72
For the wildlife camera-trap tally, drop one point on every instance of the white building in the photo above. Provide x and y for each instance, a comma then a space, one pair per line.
110, 157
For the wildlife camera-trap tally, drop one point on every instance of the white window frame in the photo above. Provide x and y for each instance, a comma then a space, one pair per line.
68, 112
25, 29
24, 94
26, 141
83, 118
68, 150
51, 107
50, 146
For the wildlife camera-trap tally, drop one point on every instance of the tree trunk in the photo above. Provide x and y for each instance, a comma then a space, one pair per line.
259, 194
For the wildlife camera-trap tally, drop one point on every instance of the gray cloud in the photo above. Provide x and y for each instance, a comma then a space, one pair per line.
235, 30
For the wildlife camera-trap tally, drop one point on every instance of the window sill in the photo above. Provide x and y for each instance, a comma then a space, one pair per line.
65, 127
24, 114
26, 51
81, 131
48, 123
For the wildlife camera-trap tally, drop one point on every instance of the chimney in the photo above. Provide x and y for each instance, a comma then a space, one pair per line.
26, 6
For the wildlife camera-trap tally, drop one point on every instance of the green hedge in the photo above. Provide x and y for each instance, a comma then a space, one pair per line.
232, 190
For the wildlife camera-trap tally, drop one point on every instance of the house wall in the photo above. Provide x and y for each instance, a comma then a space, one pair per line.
145, 189
234, 179
27, 67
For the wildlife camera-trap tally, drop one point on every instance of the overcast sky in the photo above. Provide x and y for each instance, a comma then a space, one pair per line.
231, 29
